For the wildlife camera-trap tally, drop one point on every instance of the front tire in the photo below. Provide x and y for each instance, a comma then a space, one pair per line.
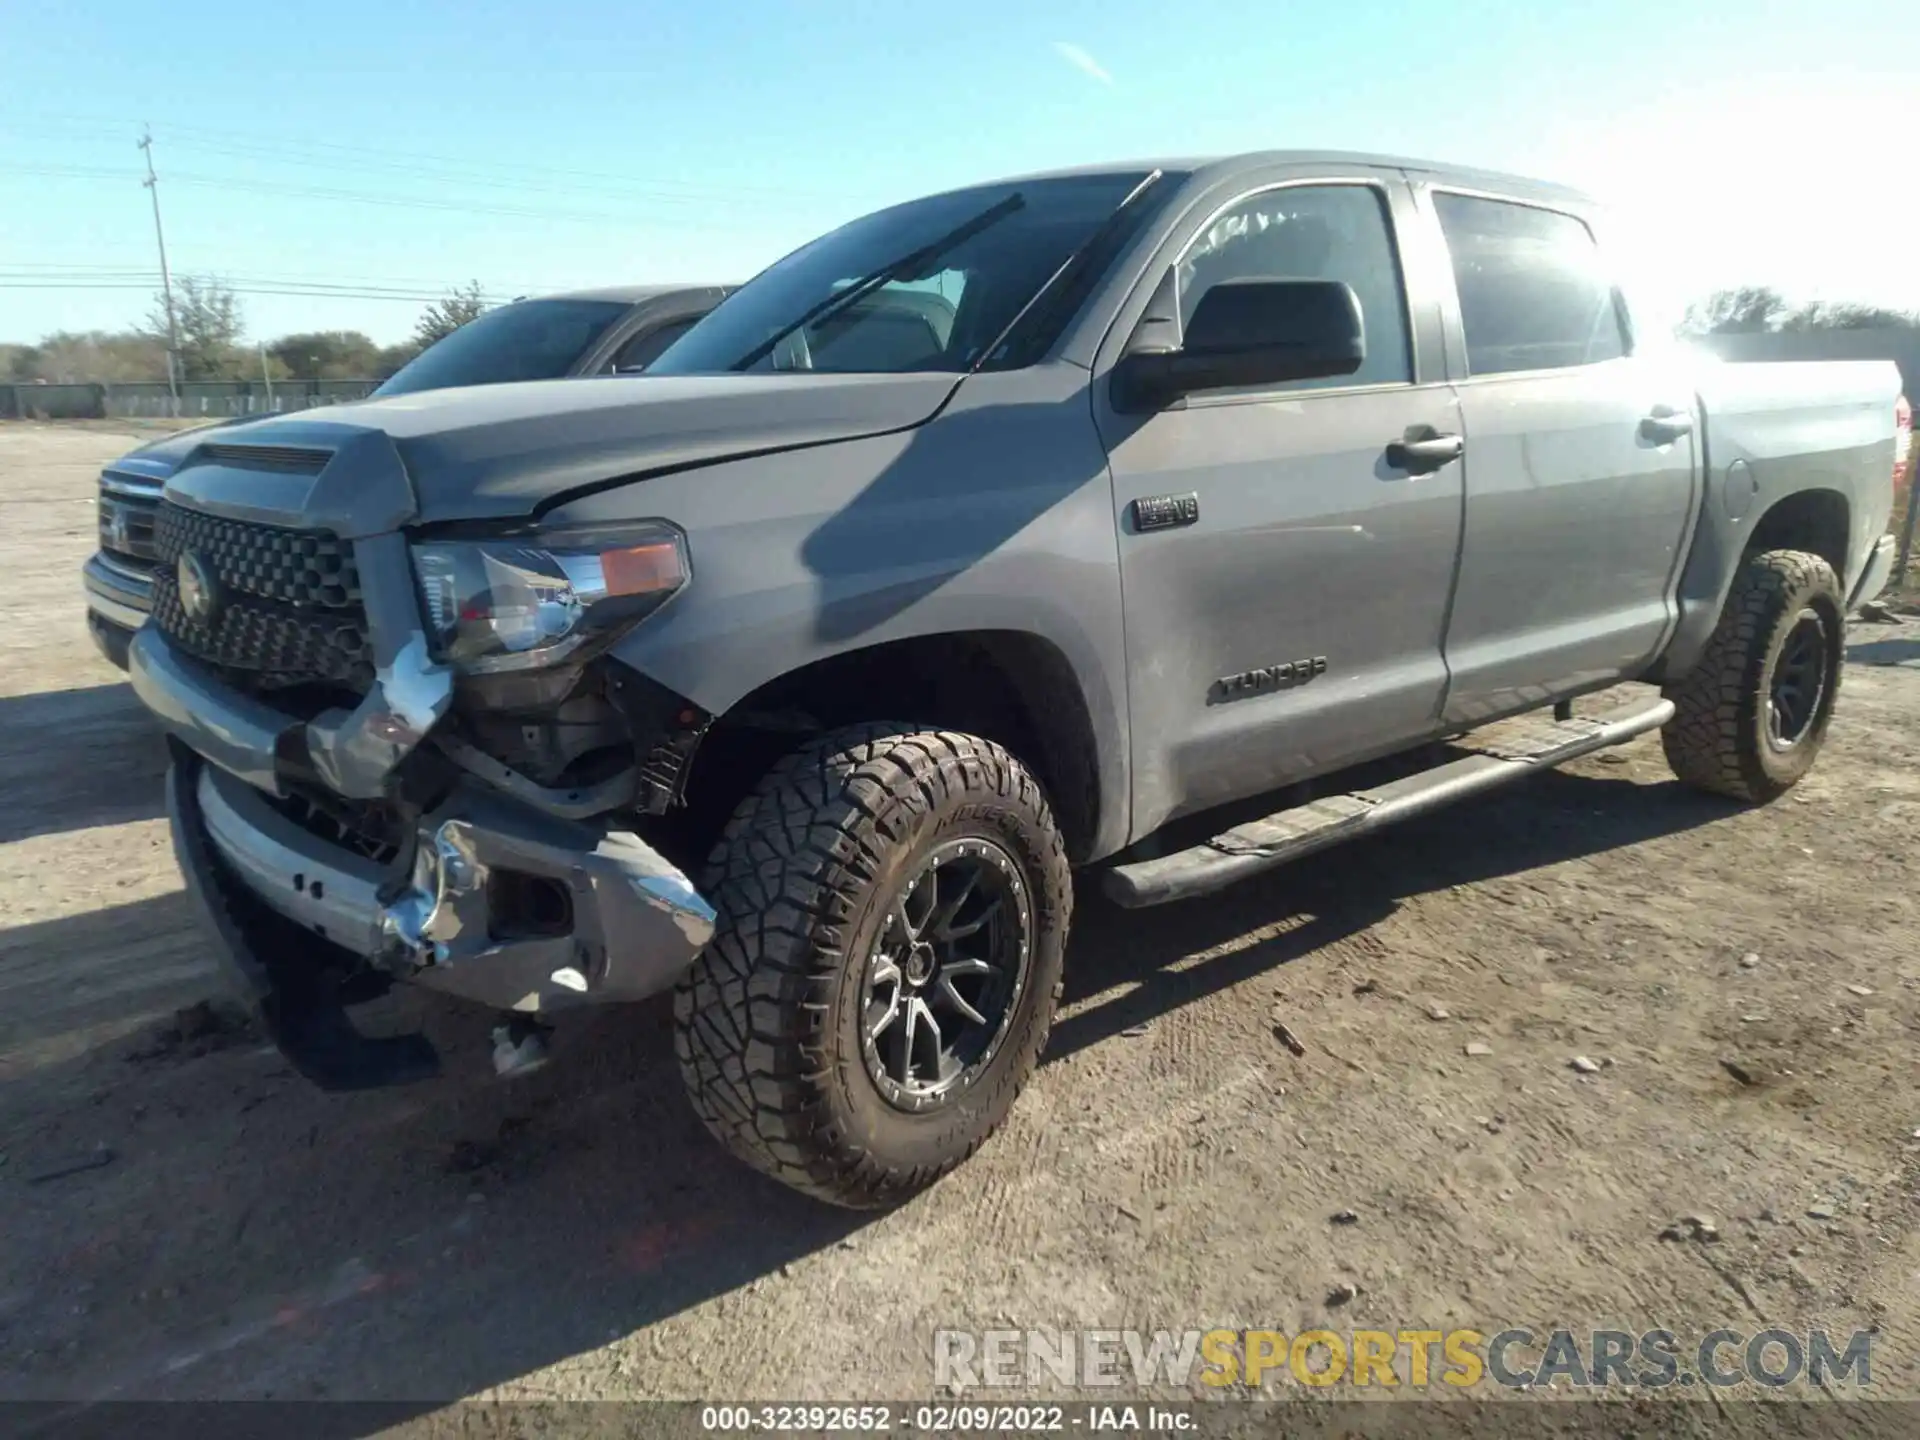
1751, 716
893, 905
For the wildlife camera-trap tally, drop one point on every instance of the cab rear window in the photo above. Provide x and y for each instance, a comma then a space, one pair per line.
528, 340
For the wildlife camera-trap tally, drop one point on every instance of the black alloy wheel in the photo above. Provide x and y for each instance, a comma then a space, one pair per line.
893, 902
946, 974
1799, 680
1751, 714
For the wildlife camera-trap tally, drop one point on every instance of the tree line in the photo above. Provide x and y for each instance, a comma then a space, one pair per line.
1756, 309
212, 344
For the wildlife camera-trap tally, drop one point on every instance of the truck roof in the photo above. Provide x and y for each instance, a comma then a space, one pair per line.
1220, 166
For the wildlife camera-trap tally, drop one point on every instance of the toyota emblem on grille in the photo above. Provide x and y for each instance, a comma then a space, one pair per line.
199, 592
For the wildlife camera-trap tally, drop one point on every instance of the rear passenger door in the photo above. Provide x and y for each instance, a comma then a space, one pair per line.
1581, 469
1285, 585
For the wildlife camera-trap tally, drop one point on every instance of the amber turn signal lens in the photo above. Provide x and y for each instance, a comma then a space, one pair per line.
643, 569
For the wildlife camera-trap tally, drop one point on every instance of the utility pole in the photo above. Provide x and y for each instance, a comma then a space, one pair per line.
152, 182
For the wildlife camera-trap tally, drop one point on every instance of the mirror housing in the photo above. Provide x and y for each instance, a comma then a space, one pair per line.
1251, 332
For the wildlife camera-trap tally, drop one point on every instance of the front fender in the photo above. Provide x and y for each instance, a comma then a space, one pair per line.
998, 515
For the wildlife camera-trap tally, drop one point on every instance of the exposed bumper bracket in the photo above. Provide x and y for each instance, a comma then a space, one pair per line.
625, 922
355, 751
294, 1003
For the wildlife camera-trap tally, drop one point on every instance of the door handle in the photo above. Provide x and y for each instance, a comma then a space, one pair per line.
1423, 453
1666, 425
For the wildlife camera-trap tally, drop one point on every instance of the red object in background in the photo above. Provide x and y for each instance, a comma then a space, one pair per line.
1902, 443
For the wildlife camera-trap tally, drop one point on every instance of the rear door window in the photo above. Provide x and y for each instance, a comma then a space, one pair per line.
1533, 292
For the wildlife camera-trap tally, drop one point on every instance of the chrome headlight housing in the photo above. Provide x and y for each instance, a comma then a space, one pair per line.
527, 603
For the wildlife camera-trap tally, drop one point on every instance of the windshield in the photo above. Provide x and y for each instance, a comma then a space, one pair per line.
528, 340
1007, 241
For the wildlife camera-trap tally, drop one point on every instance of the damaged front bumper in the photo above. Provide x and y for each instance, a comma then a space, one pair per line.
490, 899
613, 922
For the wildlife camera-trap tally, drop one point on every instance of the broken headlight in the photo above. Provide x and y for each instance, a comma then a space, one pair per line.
494, 605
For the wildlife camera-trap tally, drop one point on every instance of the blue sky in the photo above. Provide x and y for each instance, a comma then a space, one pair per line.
408, 146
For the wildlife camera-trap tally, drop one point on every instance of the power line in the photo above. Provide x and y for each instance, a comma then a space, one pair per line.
71, 265
365, 287
143, 278
384, 157
359, 197
416, 298
104, 276
651, 194
57, 270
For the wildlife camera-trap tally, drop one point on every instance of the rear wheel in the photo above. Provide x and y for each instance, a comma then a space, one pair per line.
893, 906
1752, 715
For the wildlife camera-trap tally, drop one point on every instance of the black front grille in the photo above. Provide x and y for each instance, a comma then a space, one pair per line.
126, 526
288, 567
286, 603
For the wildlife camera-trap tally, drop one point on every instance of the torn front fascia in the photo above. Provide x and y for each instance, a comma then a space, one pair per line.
666, 728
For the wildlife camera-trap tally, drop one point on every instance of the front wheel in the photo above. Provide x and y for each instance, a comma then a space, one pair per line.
893, 905
1752, 714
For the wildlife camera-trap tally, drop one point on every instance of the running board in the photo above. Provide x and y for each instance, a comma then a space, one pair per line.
1503, 754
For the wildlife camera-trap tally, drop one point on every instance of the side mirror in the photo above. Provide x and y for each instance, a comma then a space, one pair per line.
1251, 332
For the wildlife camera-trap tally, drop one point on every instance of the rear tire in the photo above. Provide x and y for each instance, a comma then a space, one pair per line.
1752, 715
814, 1032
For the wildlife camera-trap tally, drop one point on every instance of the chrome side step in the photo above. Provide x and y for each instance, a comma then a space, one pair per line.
1504, 754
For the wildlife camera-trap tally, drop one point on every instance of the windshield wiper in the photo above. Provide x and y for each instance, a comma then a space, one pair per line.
1062, 289
906, 265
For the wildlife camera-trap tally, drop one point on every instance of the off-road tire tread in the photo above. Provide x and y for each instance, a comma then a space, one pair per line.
1705, 743
750, 1016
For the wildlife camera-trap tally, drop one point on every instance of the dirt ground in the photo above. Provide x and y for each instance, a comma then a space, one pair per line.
181, 1217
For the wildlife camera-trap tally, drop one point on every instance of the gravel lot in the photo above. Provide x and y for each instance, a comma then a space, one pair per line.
1172, 1166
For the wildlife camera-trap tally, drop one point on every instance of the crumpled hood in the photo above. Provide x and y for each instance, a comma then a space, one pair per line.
500, 451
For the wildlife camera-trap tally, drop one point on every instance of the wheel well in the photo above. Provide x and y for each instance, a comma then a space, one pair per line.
1006, 686
1811, 520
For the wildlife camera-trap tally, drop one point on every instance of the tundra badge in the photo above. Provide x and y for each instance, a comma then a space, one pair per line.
1267, 677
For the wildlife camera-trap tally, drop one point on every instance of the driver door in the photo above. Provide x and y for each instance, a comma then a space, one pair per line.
1285, 587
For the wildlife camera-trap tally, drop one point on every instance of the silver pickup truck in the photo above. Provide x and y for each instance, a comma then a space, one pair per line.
1010, 531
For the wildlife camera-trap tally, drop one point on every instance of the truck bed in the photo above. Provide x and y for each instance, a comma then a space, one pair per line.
1817, 436
1787, 420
